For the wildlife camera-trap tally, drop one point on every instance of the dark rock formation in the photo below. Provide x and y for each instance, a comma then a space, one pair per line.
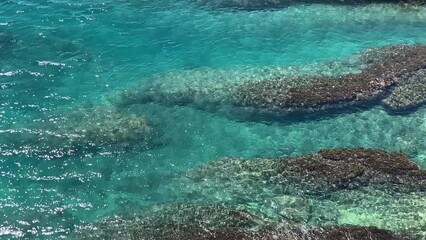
332, 169
267, 4
340, 168
193, 232
336, 186
362, 193
387, 66
410, 93
223, 224
394, 74
176, 222
317, 94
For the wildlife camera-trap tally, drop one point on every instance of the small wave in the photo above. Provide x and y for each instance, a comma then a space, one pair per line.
10, 73
36, 74
4, 231
50, 63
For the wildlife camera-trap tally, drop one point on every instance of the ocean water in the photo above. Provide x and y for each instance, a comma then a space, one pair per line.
58, 54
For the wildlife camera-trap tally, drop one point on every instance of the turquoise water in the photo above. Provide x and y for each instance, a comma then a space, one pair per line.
57, 54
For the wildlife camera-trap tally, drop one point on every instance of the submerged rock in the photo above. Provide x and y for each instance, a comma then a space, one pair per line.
177, 221
332, 169
335, 186
333, 194
317, 94
100, 125
409, 94
223, 224
265, 4
207, 87
84, 129
386, 67
344, 168
247, 4
392, 73
194, 232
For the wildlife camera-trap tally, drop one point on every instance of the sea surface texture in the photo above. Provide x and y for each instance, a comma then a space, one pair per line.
212, 119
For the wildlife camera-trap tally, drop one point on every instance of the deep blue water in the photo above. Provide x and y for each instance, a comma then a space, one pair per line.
56, 54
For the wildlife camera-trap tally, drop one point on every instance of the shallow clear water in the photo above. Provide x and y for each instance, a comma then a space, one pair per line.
55, 54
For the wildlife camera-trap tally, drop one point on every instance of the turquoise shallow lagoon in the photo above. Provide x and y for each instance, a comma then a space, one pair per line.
58, 54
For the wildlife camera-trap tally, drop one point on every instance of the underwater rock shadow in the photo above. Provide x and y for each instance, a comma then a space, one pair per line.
7, 41
244, 114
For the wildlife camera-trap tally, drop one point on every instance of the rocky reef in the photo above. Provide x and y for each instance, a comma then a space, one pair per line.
267, 4
207, 87
100, 125
325, 171
386, 67
83, 128
318, 94
392, 75
336, 186
332, 194
217, 222
409, 94
352, 168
